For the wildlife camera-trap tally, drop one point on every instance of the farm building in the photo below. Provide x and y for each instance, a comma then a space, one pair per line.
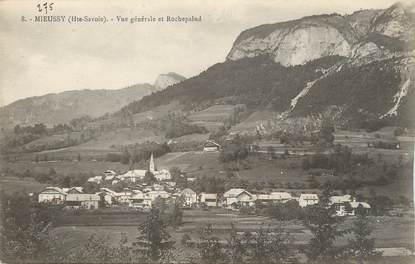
210, 199
53, 195
274, 197
347, 205
140, 200
211, 146
239, 196
307, 199
82, 200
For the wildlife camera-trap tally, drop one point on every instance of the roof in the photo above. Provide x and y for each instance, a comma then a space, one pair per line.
235, 192
209, 195
280, 195
77, 188
82, 197
187, 191
341, 199
263, 196
363, 204
107, 190
309, 196
95, 178
134, 173
56, 189
210, 143
123, 194
139, 196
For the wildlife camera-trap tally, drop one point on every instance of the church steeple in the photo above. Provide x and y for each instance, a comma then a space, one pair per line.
152, 168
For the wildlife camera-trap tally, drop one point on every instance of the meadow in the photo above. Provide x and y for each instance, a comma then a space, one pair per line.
389, 232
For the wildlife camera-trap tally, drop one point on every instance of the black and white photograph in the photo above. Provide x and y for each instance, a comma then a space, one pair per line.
207, 132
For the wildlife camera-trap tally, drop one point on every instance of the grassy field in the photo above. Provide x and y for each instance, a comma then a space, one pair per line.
213, 117
63, 167
190, 161
121, 137
13, 184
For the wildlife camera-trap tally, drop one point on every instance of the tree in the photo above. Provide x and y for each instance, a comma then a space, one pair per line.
149, 178
175, 211
380, 204
326, 133
323, 224
236, 248
362, 246
264, 246
324, 228
153, 241
21, 231
210, 249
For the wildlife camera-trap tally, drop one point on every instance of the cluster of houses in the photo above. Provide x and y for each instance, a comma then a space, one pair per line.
133, 176
144, 198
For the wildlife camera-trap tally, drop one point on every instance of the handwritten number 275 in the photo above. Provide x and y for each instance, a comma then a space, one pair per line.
45, 7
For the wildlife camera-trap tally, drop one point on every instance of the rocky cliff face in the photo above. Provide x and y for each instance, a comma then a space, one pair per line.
165, 80
362, 33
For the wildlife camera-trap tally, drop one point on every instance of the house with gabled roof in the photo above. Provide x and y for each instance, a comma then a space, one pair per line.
190, 197
53, 195
238, 196
347, 205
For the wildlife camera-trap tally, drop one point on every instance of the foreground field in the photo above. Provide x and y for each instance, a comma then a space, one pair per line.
389, 232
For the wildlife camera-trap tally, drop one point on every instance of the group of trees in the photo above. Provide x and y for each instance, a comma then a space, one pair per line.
234, 151
52, 177
138, 153
341, 160
178, 128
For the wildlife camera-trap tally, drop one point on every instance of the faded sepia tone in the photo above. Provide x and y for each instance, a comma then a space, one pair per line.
207, 131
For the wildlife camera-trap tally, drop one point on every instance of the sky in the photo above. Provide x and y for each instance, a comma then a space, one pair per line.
39, 58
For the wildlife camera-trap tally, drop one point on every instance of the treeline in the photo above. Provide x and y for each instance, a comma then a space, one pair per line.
255, 82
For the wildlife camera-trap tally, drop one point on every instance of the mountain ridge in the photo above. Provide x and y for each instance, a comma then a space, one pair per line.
62, 107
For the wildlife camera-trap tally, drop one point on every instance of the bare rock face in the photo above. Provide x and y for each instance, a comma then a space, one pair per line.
398, 21
299, 41
165, 80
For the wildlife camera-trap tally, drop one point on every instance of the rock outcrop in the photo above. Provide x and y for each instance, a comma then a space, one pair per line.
359, 34
165, 80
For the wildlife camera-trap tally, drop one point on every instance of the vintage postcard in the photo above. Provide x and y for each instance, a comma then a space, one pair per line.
234, 131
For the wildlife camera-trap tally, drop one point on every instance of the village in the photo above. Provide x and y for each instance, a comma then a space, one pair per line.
142, 196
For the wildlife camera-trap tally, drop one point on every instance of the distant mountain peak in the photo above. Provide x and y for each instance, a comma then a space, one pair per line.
167, 79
